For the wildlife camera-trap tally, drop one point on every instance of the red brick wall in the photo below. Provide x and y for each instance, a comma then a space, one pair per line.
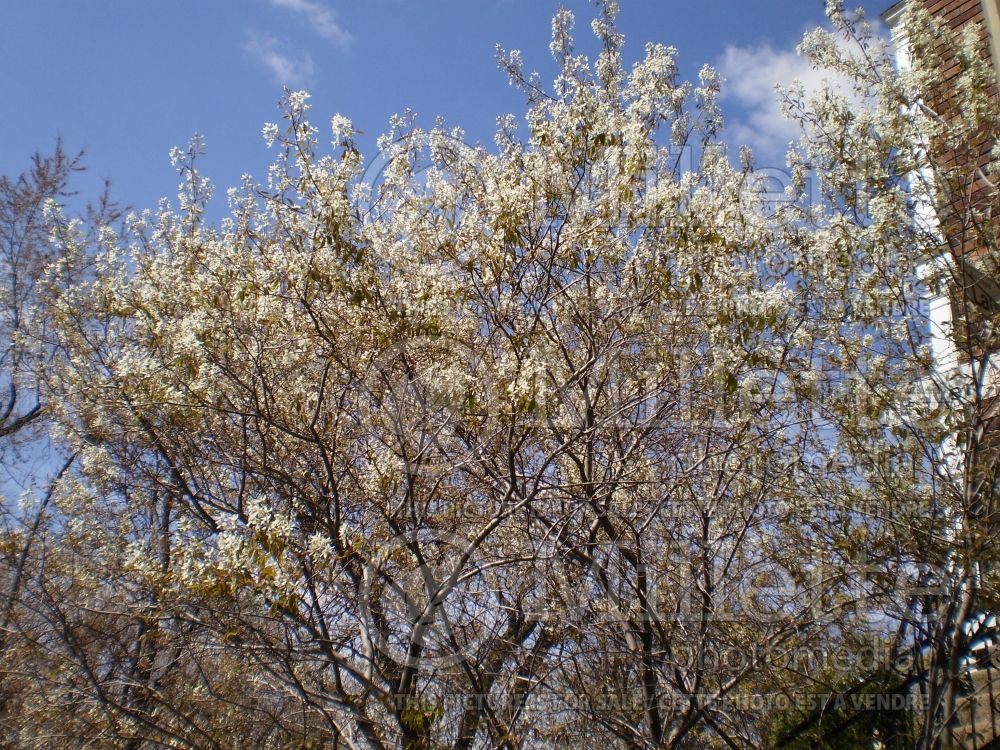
965, 189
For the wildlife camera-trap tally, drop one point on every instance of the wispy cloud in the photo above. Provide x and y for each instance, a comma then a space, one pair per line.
320, 18
751, 74
286, 70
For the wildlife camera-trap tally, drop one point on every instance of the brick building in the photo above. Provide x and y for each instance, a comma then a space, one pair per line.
960, 202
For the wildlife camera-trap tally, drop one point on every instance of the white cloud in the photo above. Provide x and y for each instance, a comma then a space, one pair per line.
751, 74
321, 18
286, 70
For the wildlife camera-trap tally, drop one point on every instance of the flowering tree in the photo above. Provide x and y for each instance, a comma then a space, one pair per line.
561, 442
31, 464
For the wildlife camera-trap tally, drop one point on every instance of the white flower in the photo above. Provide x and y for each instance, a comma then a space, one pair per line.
270, 133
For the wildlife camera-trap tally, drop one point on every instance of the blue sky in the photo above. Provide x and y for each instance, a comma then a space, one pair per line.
129, 79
